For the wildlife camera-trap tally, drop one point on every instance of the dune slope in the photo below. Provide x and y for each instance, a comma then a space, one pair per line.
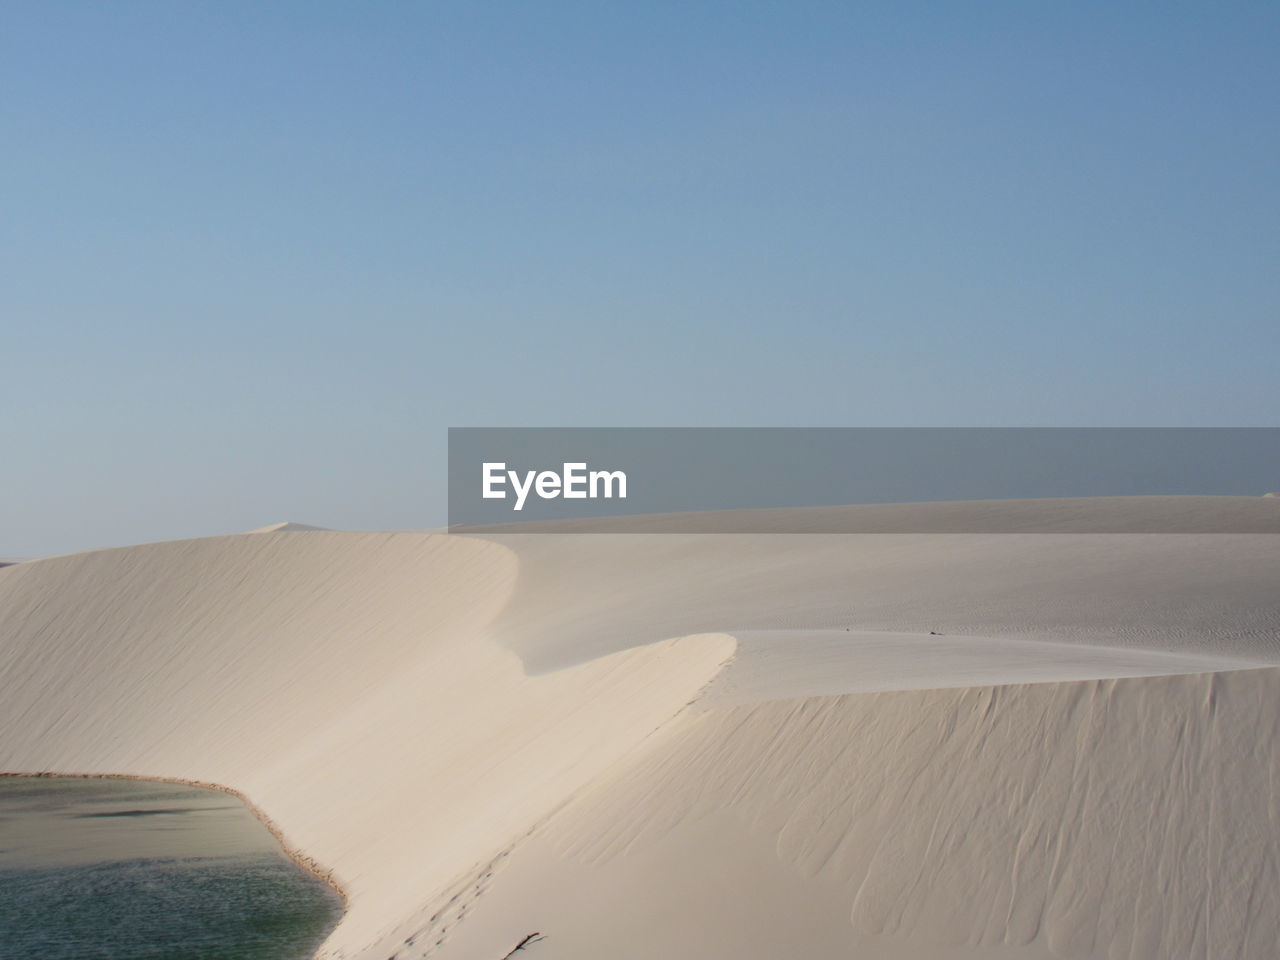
1132, 818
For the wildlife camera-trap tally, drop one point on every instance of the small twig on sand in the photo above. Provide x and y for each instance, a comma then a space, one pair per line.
531, 938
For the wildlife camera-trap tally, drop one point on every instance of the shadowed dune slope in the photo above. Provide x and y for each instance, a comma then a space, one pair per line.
1207, 594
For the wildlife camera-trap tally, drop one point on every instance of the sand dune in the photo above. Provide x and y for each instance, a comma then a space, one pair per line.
287, 526
343, 682
922, 748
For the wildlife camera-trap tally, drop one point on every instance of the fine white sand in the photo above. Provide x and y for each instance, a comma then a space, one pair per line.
951, 745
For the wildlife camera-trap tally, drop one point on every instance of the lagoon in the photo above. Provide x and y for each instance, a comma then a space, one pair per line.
116, 869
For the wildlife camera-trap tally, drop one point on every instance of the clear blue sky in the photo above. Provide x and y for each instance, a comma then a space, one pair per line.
256, 257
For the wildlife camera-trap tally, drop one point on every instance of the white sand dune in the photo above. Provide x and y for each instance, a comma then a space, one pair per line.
287, 526
343, 682
928, 744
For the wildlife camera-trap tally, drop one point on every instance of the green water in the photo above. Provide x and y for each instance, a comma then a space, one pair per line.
97, 869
